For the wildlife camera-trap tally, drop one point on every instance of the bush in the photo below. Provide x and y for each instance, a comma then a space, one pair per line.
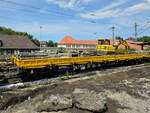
147, 49
123, 51
63, 51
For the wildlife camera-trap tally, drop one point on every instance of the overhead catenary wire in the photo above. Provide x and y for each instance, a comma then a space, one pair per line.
35, 8
28, 11
146, 24
140, 31
31, 13
144, 30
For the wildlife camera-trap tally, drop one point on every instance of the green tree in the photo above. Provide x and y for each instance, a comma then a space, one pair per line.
144, 39
51, 43
55, 44
37, 42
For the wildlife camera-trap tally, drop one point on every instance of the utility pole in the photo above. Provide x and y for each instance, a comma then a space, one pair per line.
40, 36
136, 34
113, 34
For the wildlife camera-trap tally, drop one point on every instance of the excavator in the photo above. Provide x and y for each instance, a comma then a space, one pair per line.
104, 46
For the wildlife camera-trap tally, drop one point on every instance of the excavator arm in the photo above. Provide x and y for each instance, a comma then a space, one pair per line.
123, 42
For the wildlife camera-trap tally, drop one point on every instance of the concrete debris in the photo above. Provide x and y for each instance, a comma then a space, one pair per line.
55, 103
129, 104
89, 100
144, 80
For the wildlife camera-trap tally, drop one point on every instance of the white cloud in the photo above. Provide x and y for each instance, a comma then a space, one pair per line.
71, 4
63, 4
137, 8
101, 14
87, 1
113, 5
105, 12
112, 11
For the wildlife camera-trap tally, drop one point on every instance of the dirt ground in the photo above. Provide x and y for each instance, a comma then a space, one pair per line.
126, 90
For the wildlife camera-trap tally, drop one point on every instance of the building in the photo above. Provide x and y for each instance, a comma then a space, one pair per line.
13, 44
44, 44
71, 44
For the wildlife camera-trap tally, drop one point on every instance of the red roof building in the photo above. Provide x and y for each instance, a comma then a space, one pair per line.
70, 43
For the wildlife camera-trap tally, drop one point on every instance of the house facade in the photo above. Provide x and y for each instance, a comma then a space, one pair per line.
13, 44
44, 44
70, 43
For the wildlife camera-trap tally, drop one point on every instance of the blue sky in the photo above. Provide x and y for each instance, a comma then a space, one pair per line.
81, 19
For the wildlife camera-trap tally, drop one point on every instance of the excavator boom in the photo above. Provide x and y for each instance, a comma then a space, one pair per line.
123, 42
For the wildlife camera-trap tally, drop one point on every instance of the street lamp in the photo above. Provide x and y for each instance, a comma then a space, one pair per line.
40, 36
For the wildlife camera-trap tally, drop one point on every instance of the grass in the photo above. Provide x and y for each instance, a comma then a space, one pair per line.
122, 51
146, 63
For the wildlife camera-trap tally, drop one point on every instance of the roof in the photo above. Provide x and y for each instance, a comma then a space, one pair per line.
16, 42
70, 40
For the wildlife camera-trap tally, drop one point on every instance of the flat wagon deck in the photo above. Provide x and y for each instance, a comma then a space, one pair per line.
50, 62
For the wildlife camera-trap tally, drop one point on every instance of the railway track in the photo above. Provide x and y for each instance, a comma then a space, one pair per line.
9, 74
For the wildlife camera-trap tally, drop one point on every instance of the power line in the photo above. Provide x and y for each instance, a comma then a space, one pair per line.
36, 8
144, 25
144, 30
31, 12
4, 18
26, 10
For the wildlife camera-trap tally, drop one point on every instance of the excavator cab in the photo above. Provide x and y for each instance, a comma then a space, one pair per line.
105, 46
104, 42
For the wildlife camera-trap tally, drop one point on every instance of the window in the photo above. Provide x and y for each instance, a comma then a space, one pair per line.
78, 46
73, 46
84, 46
104, 42
68, 46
